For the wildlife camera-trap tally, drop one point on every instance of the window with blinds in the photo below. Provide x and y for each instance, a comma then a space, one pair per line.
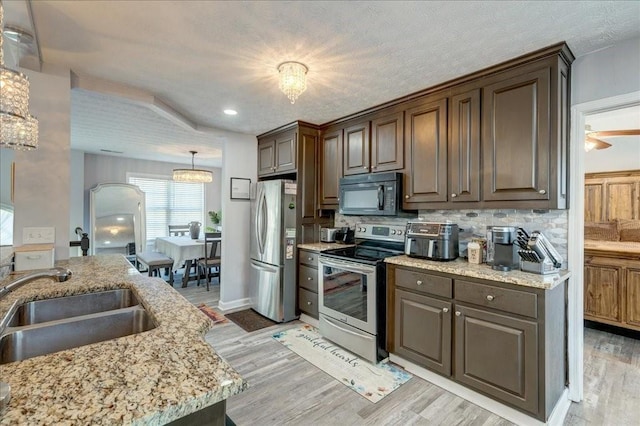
169, 203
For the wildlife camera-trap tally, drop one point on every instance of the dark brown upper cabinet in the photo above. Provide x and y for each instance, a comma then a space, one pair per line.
517, 139
277, 155
330, 168
426, 153
464, 146
356, 158
387, 142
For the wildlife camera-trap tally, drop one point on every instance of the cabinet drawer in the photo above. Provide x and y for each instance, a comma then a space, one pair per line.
424, 283
308, 302
309, 258
308, 278
513, 301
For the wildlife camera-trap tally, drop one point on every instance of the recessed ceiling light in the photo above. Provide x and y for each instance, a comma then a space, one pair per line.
230, 112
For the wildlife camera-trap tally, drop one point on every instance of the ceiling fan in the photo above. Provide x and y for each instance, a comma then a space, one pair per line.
592, 138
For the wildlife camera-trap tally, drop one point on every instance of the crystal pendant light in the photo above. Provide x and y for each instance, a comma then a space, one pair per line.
192, 175
18, 128
293, 79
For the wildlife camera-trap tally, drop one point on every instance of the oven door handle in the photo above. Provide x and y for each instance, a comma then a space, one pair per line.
354, 267
335, 324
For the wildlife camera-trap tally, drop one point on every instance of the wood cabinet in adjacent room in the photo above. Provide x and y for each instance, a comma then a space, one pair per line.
612, 195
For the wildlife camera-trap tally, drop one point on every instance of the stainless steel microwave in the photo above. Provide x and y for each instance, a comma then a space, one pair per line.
374, 194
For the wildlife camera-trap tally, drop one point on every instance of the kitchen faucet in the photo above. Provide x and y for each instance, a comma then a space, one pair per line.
56, 274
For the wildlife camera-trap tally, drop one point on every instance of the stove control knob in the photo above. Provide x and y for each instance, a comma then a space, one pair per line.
363, 229
393, 232
399, 232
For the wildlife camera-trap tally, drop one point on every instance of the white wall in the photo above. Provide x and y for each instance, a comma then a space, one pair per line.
617, 157
42, 176
239, 159
606, 73
113, 169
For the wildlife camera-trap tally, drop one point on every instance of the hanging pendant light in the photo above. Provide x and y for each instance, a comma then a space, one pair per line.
192, 175
293, 79
18, 128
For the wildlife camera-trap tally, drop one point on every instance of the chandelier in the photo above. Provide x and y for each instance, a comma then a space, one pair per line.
293, 79
192, 175
18, 128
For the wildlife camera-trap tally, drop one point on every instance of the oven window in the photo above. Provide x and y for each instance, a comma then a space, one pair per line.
345, 292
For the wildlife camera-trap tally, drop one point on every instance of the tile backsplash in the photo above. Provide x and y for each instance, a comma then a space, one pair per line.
552, 223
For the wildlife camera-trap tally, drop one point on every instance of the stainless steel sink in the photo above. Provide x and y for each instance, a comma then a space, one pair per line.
52, 325
72, 306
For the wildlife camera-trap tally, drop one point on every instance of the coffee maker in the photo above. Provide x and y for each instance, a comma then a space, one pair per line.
505, 251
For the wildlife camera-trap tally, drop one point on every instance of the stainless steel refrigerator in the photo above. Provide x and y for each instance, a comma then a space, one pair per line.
273, 250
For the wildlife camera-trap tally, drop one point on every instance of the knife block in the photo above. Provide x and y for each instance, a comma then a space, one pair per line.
542, 268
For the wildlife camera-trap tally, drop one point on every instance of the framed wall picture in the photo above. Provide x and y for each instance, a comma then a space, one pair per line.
240, 188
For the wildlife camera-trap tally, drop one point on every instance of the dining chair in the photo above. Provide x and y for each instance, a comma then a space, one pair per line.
178, 230
211, 259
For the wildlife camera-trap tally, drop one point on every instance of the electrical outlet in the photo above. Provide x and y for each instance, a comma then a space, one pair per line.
40, 235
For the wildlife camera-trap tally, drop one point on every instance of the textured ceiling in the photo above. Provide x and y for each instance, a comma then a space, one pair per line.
201, 57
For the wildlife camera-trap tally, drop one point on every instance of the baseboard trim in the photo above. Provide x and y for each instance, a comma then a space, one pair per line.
309, 320
234, 305
504, 411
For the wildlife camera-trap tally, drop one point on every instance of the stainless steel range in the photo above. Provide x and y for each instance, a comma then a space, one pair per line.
353, 290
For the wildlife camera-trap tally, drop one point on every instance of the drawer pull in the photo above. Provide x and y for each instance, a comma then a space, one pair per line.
490, 297
419, 282
309, 279
309, 258
542, 191
458, 313
309, 303
406, 196
454, 195
445, 310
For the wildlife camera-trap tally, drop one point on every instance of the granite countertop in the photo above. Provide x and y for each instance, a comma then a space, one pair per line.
152, 377
323, 246
463, 268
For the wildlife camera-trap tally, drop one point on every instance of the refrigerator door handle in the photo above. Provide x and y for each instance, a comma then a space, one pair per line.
262, 267
260, 221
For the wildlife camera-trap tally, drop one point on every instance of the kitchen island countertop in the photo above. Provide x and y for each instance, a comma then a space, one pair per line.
153, 377
463, 268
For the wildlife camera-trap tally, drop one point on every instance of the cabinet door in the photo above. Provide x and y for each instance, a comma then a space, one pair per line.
387, 143
593, 194
498, 355
330, 167
602, 291
307, 175
633, 297
266, 157
426, 154
622, 200
516, 138
464, 146
423, 331
356, 149
285, 147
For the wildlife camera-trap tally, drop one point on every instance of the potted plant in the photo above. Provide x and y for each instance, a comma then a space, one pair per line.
216, 218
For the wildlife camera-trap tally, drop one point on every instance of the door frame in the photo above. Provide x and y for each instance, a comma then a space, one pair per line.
576, 233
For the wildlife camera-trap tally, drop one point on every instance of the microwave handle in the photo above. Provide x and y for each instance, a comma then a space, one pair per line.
380, 197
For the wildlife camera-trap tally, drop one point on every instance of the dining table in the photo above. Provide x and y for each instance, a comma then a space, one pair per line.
182, 249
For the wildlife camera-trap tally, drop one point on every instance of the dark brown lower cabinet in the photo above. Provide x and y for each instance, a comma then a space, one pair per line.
423, 330
505, 341
308, 282
497, 354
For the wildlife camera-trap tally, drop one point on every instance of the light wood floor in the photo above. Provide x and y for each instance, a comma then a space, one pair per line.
284, 389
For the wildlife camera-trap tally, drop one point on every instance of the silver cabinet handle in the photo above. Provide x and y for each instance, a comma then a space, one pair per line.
365, 167
309, 303
445, 310
309, 278
542, 191
309, 258
419, 282
458, 313
454, 195
406, 196
490, 297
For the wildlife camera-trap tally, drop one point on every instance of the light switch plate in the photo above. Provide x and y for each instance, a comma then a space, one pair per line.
40, 235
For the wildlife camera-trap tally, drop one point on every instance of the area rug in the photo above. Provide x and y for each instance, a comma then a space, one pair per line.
373, 382
217, 317
250, 320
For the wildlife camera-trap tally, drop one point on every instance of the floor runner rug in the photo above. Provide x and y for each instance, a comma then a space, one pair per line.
250, 320
373, 382
217, 317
